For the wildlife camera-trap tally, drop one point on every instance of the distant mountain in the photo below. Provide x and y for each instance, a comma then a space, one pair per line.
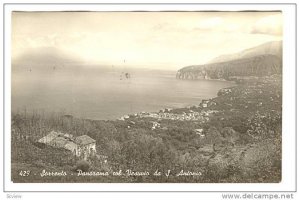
255, 66
265, 59
45, 56
271, 48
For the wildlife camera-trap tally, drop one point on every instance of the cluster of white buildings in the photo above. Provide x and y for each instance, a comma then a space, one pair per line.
191, 116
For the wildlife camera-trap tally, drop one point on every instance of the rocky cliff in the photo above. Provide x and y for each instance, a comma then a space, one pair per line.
254, 66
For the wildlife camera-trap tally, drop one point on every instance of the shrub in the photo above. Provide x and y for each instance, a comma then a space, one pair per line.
39, 163
82, 165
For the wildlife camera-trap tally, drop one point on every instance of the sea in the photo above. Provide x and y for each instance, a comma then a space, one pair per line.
108, 93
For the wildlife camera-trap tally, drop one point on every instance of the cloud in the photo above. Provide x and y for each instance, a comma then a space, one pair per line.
220, 25
270, 25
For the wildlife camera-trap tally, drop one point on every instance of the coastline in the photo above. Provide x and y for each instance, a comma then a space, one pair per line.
240, 126
187, 107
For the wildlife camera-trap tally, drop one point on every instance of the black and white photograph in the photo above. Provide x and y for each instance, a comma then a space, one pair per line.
150, 98
146, 97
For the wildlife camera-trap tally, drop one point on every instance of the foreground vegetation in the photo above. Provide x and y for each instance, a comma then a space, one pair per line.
240, 141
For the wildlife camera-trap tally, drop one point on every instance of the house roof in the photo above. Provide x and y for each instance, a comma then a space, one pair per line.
66, 141
70, 145
59, 142
84, 140
48, 138
67, 135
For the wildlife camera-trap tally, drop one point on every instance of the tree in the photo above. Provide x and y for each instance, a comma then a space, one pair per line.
213, 136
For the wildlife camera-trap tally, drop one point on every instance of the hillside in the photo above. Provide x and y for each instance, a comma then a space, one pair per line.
265, 59
272, 48
255, 66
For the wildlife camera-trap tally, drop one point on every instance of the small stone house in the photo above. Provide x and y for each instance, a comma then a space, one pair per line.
204, 103
86, 146
81, 146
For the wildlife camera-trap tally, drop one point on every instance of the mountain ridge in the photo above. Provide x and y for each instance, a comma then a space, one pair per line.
257, 61
272, 48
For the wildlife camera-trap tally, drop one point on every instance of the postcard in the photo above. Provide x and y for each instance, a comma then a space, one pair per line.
161, 96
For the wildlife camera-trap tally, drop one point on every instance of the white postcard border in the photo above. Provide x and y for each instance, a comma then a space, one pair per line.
288, 182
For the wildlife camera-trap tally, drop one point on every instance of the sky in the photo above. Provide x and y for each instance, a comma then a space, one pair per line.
146, 39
